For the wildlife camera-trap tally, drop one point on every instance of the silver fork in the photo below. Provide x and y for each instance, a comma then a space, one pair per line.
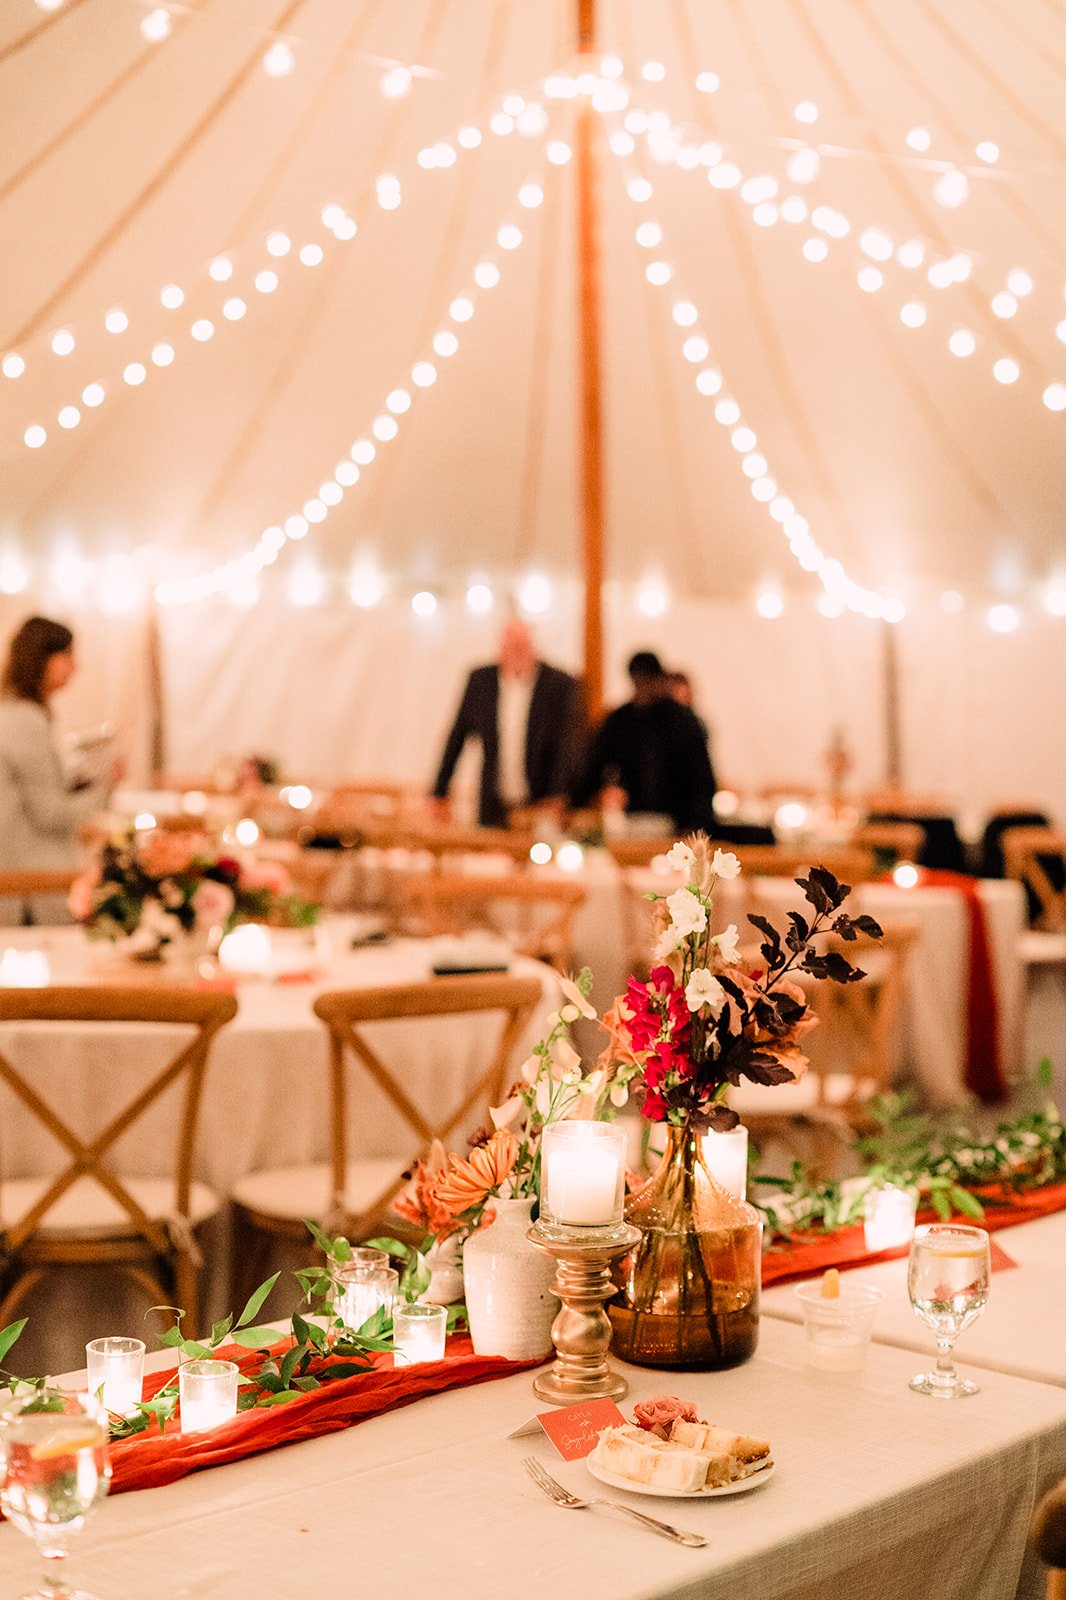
573, 1502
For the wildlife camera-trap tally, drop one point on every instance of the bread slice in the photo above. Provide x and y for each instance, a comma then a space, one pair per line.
709, 1440
638, 1455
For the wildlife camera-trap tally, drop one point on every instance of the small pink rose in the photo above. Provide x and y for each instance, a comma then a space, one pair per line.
657, 1414
212, 903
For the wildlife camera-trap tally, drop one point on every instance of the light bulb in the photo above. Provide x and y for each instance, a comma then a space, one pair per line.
116, 321
531, 195
1019, 282
172, 296
652, 600
469, 138
919, 139
913, 314
278, 244
952, 189
385, 428
396, 82
12, 366
1004, 304
658, 273
445, 344
509, 237
685, 313
1055, 601
962, 342
423, 604
743, 439
398, 401
558, 153
363, 452
764, 214
202, 329
726, 176
479, 599
63, 342
234, 309
311, 254
649, 234
346, 473
639, 190
709, 381
806, 111
162, 355
911, 254
727, 412
754, 465
501, 124
987, 151
134, 374
1005, 370
221, 269
93, 394
769, 604
1003, 619
535, 593
708, 82
876, 244
653, 72
330, 493
69, 417
461, 310
695, 348
1055, 396
35, 436
266, 281
279, 60
815, 249
296, 527
870, 279
423, 374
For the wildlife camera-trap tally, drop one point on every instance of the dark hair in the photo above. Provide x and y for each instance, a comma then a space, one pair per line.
28, 655
645, 664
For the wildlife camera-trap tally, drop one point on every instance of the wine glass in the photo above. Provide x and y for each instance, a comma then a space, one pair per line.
53, 1469
947, 1279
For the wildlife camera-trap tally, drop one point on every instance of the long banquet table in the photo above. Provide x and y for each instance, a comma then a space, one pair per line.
1022, 1330
873, 1498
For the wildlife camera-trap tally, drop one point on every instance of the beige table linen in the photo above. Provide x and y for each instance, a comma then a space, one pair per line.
1022, 1330
878, 1495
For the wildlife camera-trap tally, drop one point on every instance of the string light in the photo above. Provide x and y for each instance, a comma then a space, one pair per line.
279, 60
156, 25
424, 603
13, 365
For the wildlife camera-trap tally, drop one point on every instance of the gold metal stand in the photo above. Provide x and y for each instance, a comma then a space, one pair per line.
581, 1333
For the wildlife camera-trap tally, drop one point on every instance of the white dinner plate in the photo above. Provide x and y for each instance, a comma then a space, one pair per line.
740, 1487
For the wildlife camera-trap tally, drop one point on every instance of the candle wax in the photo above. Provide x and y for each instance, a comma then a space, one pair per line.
583, 1185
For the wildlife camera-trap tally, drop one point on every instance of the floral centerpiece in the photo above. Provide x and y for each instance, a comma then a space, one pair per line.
157, 889
704, 1020
481, 1204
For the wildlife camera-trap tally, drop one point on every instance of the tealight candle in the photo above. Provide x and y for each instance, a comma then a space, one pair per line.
24, 969
725, 1155
116, 1372
418, 1333
360, 1289
888, 1217
582, 1169
247, 949
207, 1392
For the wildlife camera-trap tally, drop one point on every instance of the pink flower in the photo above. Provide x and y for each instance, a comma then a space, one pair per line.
165, 855
81, 899
212, 903
657, 1414
270, 875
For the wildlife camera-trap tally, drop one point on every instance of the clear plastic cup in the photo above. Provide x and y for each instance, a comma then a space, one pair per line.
838, 1330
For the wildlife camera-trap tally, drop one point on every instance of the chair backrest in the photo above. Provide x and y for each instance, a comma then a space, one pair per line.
1037, 858
20, 885
864, 1016
901, 840
205, 1011
346, 1012
536, 914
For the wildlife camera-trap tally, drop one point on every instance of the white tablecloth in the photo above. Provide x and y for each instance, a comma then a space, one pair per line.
1021, 1331
873, 1498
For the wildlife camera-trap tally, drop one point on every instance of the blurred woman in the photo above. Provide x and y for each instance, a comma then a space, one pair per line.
39, 807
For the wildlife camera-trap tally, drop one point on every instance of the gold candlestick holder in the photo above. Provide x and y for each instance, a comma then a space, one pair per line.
581, 1333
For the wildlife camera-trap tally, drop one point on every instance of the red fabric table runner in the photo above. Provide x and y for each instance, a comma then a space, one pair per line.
983, 1070
813, 1253
151, 1459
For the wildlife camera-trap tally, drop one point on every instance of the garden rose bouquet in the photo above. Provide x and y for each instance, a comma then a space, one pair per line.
705, 1018
156, 886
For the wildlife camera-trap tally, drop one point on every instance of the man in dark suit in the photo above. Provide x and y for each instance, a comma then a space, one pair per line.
655, 751
528, 718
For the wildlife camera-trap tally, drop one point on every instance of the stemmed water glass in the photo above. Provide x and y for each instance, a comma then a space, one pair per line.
947, 1278
53, 1469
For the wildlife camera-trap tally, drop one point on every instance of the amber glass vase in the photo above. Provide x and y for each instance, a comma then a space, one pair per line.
689, 1291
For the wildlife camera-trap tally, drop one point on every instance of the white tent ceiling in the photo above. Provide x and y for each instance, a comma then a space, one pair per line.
127, 165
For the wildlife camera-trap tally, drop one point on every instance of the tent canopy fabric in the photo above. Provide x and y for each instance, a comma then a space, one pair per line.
127, 165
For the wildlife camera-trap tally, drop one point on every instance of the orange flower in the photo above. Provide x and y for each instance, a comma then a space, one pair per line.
619, 1050
468, 1183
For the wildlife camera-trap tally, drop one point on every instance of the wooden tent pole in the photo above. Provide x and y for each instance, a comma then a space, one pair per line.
893, 719
157, 723
591, 427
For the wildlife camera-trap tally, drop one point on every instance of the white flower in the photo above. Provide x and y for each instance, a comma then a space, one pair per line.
529, 1071
703, 989
565, 1056
576, 998
570, 1013
681, 858
725, 864
503, 1116
619, 1094
728, 944
688, 914
666, 944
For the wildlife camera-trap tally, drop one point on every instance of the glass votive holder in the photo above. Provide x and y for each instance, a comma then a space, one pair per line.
725, 1155
418, 1333
116, 1372
582, 1176
838, 1330
207, 1394
360, 1291
888, 1217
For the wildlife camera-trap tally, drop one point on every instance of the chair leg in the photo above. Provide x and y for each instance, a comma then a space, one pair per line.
187, 1290
24, 1285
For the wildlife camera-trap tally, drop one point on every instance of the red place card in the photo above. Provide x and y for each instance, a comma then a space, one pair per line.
575, 1430
998, 1257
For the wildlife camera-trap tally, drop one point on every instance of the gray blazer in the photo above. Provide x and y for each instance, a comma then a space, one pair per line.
38, 812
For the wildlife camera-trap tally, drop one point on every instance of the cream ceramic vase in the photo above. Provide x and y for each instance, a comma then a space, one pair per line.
445, 1262
509, 1282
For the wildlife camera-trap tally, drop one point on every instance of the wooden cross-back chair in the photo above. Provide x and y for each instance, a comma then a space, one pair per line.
1037, 858
24, 887
860, 1021
1047, 1536
353, 1196
902, 840
88, 1214
535, 914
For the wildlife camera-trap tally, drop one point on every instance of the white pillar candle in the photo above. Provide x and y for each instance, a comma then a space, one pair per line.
116, 1372
725, 1156
888, 1217
246, 949
207, 1394
581, 1182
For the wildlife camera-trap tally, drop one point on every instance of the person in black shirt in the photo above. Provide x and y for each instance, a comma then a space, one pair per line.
655, 750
